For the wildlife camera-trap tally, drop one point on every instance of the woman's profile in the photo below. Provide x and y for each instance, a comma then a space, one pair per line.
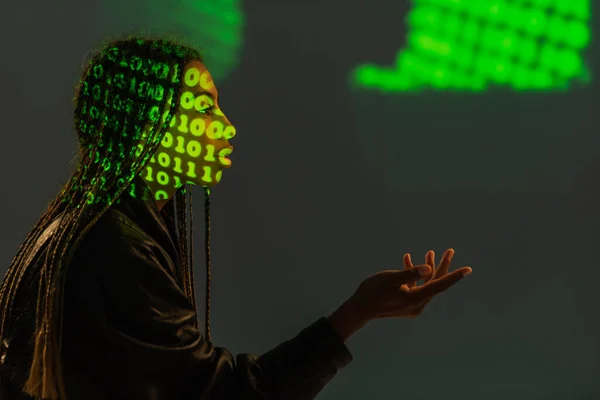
99, 301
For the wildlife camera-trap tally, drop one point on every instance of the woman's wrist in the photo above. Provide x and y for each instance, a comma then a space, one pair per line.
347, 319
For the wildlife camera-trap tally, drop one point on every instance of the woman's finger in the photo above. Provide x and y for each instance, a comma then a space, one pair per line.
444, 266
408, 264
430, 260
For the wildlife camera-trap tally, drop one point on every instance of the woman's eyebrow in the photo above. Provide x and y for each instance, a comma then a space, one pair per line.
209, 94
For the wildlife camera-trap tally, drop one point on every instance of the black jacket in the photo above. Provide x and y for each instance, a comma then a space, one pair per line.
129, 329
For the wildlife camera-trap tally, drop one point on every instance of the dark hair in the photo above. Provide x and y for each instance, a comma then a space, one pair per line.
127, 95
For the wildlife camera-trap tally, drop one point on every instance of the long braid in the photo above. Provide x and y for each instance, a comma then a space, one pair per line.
192, 284
207, 250
186, 245
18, 270
14, 275
170, 211
183, 238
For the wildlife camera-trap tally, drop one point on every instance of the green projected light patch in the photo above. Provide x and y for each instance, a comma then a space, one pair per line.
472, 45
214, 26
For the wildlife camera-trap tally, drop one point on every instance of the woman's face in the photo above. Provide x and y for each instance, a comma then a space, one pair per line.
194, 149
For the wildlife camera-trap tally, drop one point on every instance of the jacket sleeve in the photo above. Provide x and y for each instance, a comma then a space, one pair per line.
152, 324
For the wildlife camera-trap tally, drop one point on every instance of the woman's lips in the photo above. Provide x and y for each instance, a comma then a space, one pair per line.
222, 157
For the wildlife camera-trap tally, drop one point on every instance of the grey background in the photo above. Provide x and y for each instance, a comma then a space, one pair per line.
329, 186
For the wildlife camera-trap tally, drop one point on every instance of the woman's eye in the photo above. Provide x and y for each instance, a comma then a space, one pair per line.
207, 110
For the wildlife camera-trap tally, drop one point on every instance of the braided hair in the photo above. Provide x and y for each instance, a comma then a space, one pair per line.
127, 95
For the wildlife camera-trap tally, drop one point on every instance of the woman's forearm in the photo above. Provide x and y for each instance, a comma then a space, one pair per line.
347, 319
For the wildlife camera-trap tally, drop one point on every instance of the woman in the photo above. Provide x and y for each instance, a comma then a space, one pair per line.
99, 301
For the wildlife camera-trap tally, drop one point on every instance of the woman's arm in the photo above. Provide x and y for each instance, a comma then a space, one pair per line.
151, 344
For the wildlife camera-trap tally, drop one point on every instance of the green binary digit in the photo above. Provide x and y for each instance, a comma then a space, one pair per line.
475, 45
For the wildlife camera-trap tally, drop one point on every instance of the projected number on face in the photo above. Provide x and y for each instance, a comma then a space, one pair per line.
181, 140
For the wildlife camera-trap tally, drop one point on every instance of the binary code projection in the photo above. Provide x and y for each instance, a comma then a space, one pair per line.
119, 103
195, 147
475, 45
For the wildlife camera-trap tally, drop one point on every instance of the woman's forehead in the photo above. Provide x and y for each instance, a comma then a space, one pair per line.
196, 75
199, 65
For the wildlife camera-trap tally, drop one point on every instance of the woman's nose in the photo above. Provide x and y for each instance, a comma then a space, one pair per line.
229, 131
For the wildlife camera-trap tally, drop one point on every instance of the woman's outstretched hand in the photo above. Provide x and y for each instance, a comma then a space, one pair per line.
395, 293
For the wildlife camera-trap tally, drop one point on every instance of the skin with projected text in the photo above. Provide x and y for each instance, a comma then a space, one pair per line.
196, 146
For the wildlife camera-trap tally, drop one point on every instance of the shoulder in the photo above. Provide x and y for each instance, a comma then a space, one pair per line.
115, 225
115, 242
119, 244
